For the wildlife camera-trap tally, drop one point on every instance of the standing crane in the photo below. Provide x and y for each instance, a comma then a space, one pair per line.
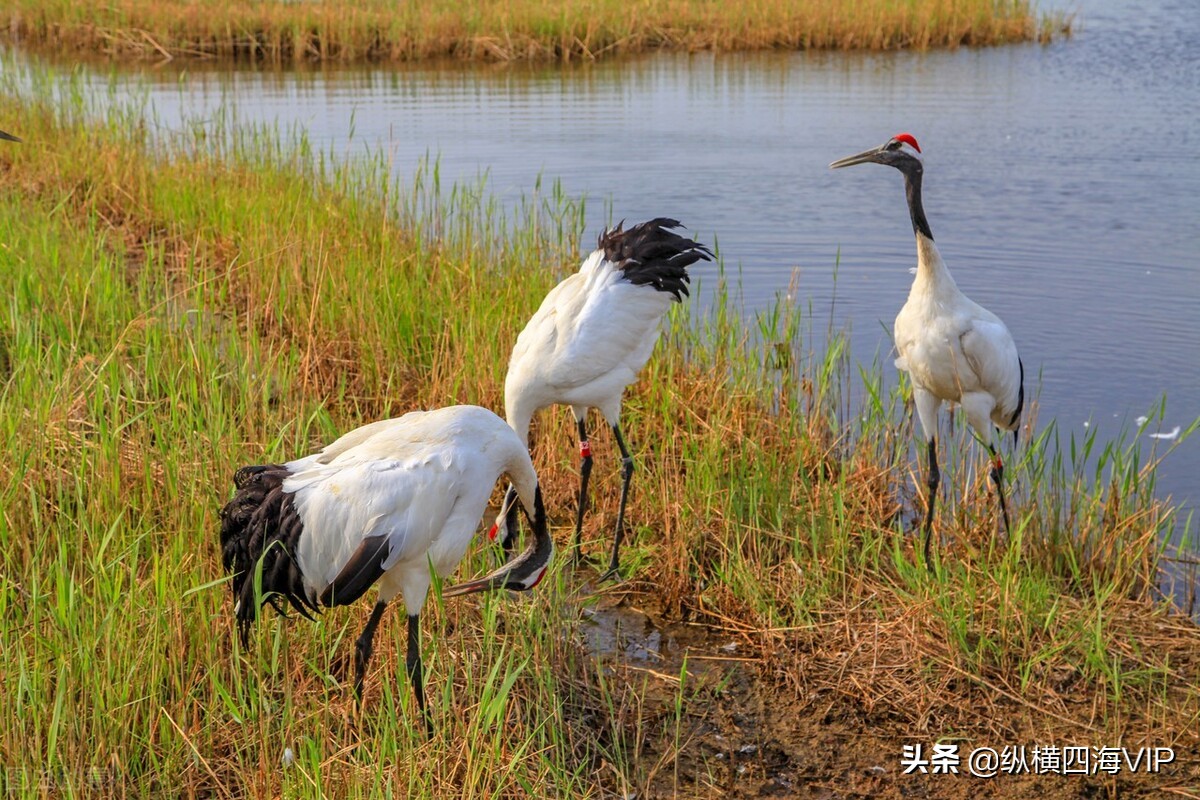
590, 338
954, 349
381, 504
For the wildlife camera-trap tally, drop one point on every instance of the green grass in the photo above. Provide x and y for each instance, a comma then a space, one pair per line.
374, 30
173, 309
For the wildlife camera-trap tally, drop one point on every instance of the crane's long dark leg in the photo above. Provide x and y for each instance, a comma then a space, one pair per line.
998, 479
416, 672
362, 647
626, 475
932, 481
585, 470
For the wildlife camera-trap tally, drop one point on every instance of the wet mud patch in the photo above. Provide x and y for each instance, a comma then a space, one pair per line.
710, 722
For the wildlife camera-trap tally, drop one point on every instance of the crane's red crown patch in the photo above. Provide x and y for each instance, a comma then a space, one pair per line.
908, 138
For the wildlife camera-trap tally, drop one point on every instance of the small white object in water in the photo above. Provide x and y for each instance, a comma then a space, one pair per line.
1141, 421
912, 270
288, 756
1172, 435
1087, 423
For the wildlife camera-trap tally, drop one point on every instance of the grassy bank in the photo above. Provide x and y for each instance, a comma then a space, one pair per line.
375, 30
174, 309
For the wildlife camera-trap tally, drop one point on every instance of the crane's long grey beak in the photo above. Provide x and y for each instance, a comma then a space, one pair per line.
523, 572
8, 137
503, 578
866, 157
471, 587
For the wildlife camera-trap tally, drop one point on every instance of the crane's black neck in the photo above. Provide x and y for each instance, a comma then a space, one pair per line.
912, 188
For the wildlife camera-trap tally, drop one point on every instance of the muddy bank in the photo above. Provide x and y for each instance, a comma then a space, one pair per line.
741, 734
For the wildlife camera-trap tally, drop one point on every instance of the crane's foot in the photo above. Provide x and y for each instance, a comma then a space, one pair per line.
613, 573
580, 559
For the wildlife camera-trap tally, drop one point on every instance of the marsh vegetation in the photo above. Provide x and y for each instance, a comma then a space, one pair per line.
289, 32
177, 306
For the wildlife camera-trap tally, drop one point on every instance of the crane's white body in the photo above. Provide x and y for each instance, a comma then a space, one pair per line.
591, 337
380, 506
956, 351
587, 342
421, 481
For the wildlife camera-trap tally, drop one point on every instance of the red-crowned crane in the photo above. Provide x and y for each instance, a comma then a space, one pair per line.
589, 339
954, 349
381, 504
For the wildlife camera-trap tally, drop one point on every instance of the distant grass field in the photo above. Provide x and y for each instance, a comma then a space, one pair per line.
174, 308
277, 31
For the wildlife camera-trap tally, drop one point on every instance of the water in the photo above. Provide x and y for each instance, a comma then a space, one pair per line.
1061, 181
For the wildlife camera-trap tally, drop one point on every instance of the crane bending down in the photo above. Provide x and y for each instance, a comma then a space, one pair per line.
380, 504
589, 339
954, 349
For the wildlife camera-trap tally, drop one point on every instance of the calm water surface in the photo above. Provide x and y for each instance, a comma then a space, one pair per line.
1062, 182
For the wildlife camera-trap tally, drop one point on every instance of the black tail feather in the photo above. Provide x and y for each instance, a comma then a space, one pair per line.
260, 530
1016, 417
650, 253
359, 574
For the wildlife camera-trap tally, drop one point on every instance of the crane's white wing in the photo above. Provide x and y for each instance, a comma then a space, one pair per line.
350, 444
592, 325
403, 502
989, 349
399, 493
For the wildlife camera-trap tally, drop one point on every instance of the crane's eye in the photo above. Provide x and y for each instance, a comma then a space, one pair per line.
894, 144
